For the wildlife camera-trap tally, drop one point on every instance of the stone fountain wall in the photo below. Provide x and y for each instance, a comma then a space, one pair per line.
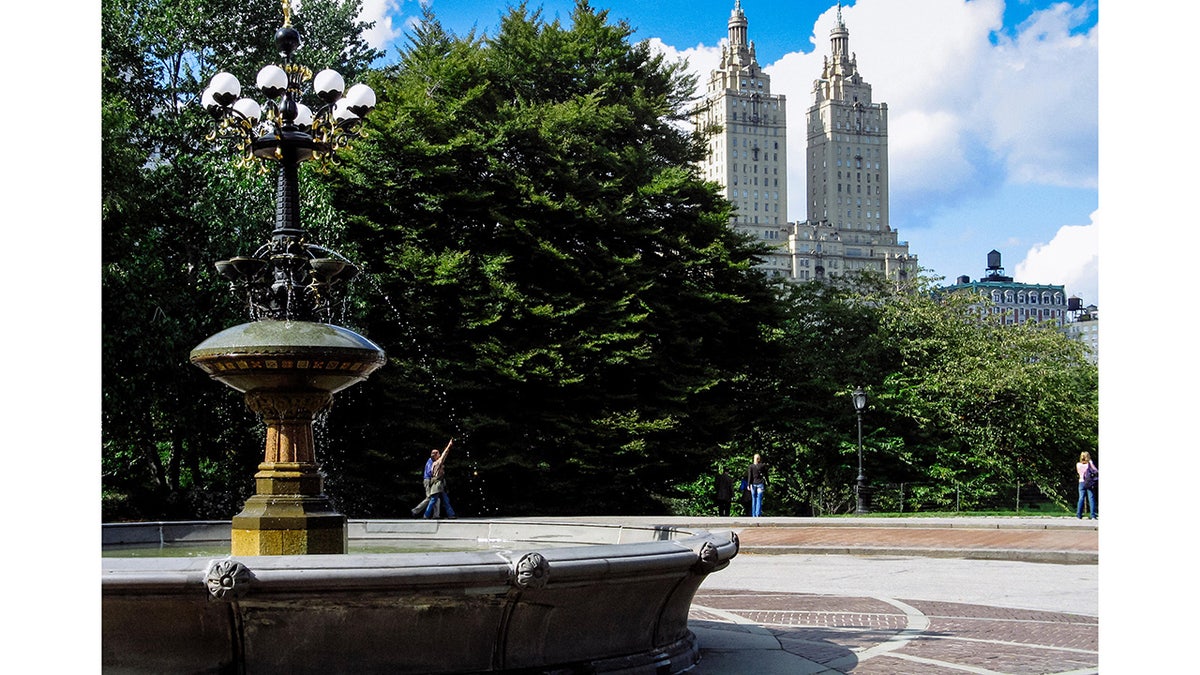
619, 606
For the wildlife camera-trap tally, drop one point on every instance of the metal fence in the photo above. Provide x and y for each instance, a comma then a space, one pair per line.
1017, 498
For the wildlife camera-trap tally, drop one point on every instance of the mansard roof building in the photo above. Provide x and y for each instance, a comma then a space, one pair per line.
1014, 301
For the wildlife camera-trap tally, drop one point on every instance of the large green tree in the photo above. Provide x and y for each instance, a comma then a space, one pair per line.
987, 402
563, 291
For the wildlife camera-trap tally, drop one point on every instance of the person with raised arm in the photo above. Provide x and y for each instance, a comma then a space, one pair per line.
435, 482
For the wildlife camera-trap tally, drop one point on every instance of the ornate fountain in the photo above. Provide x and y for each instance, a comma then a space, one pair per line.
518, 596
290, 360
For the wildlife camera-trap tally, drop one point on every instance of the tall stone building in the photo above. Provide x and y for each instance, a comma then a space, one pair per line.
846, 177
847, 163
749, 155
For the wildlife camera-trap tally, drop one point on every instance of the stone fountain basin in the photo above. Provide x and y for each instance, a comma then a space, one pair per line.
288, 355
558, 597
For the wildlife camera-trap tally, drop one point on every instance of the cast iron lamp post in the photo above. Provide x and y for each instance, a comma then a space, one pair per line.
860, 403
288, 277
290, 359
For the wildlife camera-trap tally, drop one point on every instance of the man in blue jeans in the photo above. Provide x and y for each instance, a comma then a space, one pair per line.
435, 482
433, 505
756, 478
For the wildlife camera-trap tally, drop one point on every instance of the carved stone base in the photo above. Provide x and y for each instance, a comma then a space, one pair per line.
288, 524
288, 478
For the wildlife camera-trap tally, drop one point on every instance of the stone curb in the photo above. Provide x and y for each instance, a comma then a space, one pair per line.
1027, 523
1017, 555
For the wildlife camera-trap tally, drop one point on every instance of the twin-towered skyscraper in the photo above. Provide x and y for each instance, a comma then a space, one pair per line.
846, 159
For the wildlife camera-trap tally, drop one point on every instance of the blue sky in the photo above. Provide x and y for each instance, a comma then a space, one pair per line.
993, 109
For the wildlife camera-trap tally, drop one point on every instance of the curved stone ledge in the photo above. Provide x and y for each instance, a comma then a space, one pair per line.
599, 607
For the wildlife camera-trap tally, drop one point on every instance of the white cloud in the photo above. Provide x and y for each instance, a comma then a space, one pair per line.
1043, 124
969, 108
976, 111
922, 139
1072, 258
386, 30
701, 59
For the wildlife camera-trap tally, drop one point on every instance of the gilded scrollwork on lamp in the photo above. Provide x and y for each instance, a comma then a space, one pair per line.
264, 131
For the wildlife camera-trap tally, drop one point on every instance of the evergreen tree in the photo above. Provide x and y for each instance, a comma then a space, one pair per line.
559, 276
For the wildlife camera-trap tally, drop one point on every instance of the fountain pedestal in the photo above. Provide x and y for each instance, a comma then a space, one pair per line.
288, 525
289, 514
289, 371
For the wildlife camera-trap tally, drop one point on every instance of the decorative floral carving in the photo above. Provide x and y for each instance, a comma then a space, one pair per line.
272, 405
708, 558
532, 571
227, 579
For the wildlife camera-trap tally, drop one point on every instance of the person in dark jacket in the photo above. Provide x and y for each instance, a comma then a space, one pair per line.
438, 499
756, 479
724, 496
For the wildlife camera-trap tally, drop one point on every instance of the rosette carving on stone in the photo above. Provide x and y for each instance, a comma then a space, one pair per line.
532, 571
227, 579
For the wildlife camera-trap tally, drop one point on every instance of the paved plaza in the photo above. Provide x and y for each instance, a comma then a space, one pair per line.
869, 596
742, 632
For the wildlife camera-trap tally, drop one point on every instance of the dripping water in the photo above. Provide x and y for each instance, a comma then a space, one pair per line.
476, 482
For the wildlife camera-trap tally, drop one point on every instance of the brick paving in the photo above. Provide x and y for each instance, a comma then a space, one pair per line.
1075, 539
883, 636
870, 636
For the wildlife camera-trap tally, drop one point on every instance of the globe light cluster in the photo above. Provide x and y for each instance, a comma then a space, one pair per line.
281, 123
289, 277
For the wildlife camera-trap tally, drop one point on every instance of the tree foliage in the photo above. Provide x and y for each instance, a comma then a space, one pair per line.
956, 399
553, 283
559, 275
1006, 402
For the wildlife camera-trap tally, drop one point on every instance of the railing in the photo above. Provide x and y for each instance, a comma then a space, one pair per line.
1016, 498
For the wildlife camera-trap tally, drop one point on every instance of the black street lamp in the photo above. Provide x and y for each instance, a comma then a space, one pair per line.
289, 277
860, 403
